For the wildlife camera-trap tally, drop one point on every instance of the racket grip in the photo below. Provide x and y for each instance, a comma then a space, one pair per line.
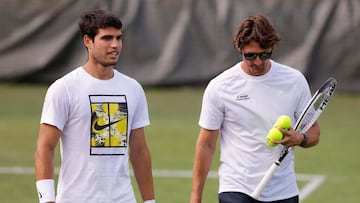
264, 180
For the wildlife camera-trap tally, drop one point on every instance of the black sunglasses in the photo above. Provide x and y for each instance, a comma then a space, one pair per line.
262, 55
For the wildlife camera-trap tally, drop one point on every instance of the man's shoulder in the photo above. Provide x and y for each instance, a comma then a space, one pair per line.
123, 78
69, 78
228, 74
70, 75
289, 74
285, 68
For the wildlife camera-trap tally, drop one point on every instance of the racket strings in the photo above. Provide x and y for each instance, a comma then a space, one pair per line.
313, 112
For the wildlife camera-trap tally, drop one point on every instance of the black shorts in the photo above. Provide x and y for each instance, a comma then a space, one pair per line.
238, 197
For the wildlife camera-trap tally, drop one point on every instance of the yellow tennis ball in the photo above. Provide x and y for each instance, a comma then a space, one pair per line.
283, 122
274, 134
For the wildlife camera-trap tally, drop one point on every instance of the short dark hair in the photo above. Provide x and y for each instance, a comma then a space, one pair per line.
92, 20
256, 28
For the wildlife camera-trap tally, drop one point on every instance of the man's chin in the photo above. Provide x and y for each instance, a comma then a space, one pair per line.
110, 64
257, 71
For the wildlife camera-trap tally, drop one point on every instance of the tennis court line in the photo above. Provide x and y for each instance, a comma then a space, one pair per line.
313, 180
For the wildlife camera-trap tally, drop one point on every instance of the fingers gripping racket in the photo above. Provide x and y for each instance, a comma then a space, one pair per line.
307, 118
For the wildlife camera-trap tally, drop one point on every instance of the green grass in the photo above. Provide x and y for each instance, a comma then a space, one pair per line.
171, 137
336, 155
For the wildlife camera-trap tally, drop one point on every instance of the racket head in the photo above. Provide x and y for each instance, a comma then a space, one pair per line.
316, 105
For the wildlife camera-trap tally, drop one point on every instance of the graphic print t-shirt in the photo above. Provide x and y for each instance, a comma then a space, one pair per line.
109, 117
96, 118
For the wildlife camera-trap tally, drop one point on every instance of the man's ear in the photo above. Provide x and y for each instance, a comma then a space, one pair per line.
87, 41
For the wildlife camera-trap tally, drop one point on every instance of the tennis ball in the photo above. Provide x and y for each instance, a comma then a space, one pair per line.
283, 122
274, 134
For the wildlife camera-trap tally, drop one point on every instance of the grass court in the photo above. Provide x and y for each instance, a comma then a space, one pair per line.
171, 137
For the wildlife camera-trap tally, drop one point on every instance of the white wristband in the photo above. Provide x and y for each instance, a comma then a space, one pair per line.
149, 201
46, 190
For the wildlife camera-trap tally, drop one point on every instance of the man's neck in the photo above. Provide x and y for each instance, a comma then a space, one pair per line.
99, 71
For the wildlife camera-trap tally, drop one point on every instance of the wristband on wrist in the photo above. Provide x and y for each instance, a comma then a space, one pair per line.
303, 143
46, 190
149, 201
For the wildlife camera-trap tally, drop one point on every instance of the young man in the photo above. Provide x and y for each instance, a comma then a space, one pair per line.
99, 115
242, 104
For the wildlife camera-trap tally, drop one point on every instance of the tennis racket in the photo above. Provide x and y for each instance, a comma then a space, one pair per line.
307, 118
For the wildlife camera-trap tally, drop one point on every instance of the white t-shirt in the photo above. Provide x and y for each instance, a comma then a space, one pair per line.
96, 118
244, 108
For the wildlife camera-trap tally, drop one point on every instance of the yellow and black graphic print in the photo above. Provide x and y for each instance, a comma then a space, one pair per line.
109, 117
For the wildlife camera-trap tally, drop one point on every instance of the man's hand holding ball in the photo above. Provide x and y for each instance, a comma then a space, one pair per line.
275, 133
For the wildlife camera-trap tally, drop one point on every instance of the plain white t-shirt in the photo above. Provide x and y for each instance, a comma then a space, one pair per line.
96, 118
244, 108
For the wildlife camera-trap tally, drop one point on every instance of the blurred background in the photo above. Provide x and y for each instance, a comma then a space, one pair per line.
173, 48
181, 42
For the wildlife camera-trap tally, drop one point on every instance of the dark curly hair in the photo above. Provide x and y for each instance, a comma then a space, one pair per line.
92, 20
258, 29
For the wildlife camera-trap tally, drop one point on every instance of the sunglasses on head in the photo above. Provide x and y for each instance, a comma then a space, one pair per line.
252, 56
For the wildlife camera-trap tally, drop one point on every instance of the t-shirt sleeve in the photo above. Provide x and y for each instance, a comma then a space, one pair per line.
55, 109
141, 114
212, 113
